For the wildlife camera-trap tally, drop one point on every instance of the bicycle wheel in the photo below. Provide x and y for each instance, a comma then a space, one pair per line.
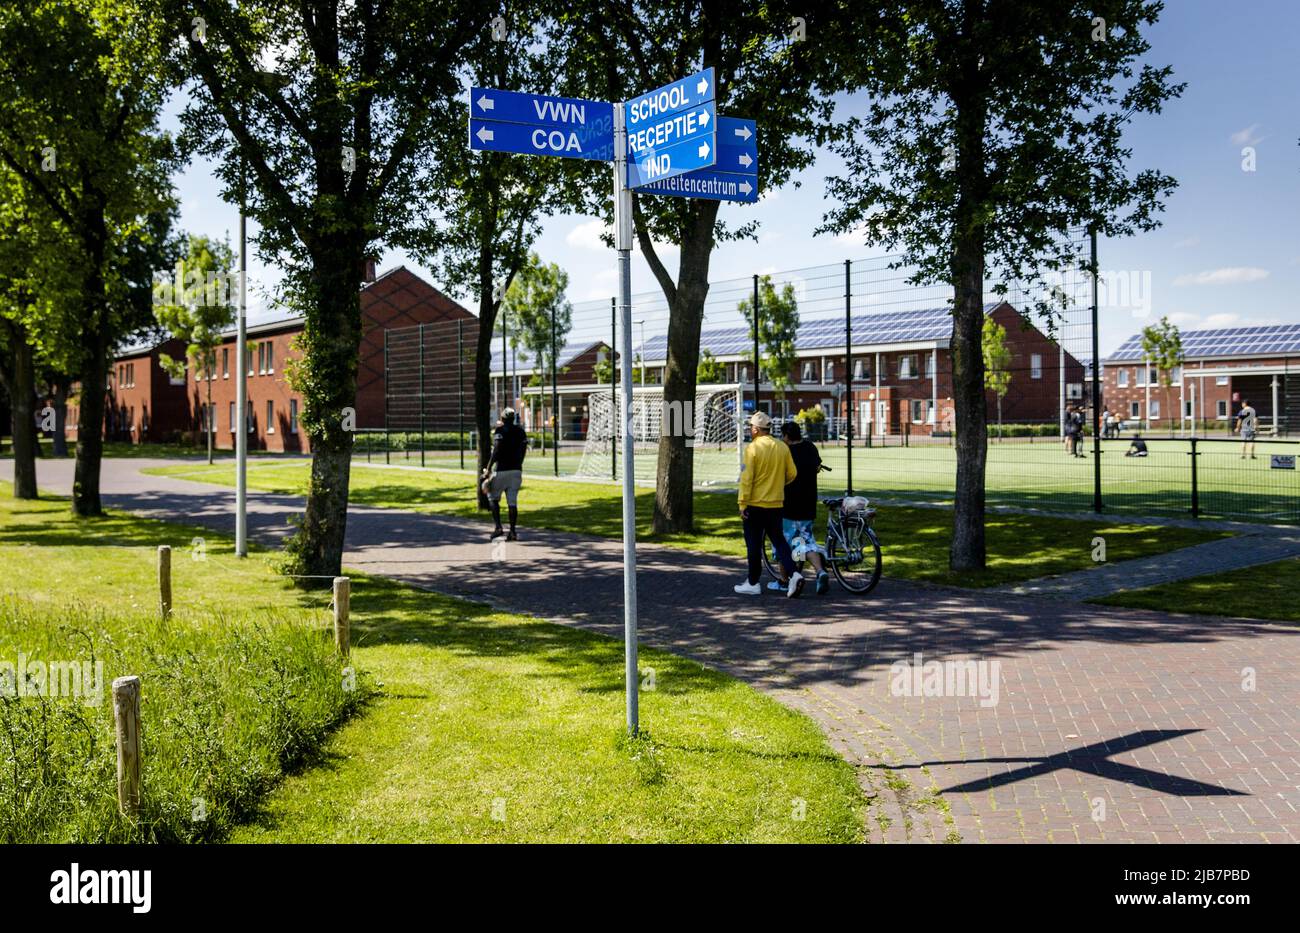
772, 565
856, 561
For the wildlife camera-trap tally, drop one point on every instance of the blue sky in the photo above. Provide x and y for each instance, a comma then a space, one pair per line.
1228, 253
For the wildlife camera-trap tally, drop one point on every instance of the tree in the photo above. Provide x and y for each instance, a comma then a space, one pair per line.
536, 303
994, 129
197, 308
778, 325
81, 88
325, 116
997, 364
491, 203
1162, 347
709, 369
765, 69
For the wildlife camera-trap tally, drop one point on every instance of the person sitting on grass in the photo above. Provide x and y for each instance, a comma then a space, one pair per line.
768, 467
1138, 447
800, 509
508, 457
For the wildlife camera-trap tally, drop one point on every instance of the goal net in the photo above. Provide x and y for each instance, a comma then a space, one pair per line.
711, 425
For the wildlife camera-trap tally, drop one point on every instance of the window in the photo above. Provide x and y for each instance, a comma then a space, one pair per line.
270, 416
1220, 380
1121, 378
828, 372
860, 370
1036, 366
233, 422
929, 365
807, 372
1155, 408
1176, 376
744, 374
907, 366
270, 362
248, 362
1221, 409
1135, 409
252, 419
1187, 409
261, 359
922, 410
293, 416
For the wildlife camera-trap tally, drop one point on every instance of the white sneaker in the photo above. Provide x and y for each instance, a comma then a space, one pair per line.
796, 585
748, 589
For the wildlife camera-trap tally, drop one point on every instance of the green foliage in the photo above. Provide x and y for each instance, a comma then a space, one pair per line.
709, 370
997, 359
814, 415
204, 304
778, 325
533, 304
1162, 347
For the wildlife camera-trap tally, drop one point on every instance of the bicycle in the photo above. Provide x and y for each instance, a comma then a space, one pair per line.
852, 546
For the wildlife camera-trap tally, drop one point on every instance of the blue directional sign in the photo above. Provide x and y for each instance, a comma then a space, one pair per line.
709, 184
534, 124
733, 177
672, 130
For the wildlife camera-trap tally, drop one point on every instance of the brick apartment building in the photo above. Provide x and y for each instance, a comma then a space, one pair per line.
146, 404
902, 370
575, 374
1222, 369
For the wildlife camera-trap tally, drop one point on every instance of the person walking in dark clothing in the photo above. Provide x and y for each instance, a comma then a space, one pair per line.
508, 454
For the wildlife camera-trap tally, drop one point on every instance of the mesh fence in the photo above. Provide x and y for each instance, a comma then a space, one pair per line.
882, 412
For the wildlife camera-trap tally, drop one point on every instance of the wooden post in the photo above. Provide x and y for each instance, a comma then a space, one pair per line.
126, 714
342, 603
164, 580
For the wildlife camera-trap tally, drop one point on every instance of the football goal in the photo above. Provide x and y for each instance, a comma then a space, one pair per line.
711, 425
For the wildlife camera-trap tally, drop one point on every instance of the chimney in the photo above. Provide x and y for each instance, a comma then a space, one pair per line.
368, 270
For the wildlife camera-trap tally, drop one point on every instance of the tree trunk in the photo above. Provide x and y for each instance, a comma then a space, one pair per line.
487, 313
21, 384
332, 335
90, 422
207, 415
968, 552
675, 491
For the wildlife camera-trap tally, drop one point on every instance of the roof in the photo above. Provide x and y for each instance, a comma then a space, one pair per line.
521, 359
1266, 340
869, 330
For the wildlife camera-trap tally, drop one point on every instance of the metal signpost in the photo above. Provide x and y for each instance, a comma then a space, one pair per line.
670, 141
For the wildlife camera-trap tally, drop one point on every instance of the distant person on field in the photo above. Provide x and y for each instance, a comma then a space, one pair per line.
800, 509
1073, 430
508, 452
1247, 423
768, 467
1138, 447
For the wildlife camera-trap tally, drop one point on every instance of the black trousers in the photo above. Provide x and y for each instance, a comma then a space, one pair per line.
765, 523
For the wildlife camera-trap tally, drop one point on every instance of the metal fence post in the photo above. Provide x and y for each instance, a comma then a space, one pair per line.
756, 357
555, 394
1096, 380
1196, 489
421, 335
460, 376
387, 388
613, 389
848, 365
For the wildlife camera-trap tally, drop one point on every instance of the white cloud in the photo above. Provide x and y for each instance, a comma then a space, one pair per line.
1246, 137
603, 284
587, 235
1229, 275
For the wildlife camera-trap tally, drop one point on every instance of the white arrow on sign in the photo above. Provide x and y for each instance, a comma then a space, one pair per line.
704, 118
704, 150
745, 160
702, 86
744, 133
485, 102
485, 135
745, 187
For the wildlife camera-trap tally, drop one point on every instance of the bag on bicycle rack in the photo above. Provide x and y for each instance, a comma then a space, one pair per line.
853, 504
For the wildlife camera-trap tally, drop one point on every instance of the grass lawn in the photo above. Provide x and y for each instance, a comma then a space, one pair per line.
484, 726
915, 540
1268, 591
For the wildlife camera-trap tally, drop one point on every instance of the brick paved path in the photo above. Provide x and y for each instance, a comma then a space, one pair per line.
1109, 725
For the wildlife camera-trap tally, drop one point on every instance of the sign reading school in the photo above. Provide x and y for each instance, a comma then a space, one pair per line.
672, 130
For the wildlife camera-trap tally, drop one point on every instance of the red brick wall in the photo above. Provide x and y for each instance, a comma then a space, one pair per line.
1233, 393
142, 403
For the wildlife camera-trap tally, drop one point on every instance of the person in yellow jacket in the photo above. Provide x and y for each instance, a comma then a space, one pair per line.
768, 467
